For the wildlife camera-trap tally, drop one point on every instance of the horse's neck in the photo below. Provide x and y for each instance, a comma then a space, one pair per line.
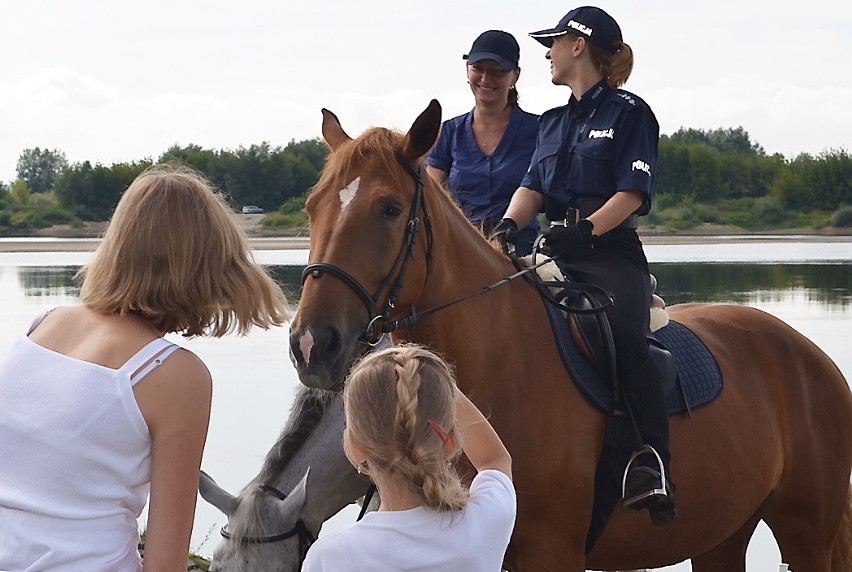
332, 483
463, 263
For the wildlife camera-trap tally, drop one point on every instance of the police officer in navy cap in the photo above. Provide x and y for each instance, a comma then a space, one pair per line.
592, 174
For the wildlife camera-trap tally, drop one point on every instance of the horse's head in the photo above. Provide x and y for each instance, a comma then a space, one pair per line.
370, 245
274, 538
305, 479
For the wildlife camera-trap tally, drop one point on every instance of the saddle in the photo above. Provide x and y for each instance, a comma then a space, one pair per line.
590, 334
690, 374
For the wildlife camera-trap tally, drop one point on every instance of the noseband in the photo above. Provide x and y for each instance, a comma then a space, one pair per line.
299, 529
378, 325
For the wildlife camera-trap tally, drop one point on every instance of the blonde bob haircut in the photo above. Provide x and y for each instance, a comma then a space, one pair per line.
175, 254
400, 406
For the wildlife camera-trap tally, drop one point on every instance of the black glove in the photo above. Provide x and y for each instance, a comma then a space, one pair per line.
568, 241
506, 231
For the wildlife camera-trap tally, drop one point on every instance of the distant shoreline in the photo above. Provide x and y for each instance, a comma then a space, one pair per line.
85, 238
52, 244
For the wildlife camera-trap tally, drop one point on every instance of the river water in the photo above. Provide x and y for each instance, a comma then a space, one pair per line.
808, 284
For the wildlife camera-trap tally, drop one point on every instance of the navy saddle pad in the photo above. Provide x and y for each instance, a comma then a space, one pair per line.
699, 380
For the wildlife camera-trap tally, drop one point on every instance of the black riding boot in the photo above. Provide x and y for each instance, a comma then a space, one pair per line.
644, 486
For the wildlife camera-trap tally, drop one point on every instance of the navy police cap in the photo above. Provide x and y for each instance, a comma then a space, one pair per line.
587, 22
495, 45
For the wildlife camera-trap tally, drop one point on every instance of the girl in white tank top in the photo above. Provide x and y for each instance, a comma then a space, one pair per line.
98, 412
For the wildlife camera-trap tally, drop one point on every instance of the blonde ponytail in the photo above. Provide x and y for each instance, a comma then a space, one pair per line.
620, 65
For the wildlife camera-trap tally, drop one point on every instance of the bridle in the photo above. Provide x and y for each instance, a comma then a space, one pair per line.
378, 324
300, 529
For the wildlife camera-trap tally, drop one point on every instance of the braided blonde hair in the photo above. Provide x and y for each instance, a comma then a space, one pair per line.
393, 400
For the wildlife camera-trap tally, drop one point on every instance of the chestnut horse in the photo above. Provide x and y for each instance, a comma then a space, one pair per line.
388, 243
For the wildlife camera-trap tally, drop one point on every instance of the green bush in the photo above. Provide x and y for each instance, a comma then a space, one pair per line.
28, 219
666, 200
42, 217
293, 205
707, 213
842, 217
768, 212
678, 218
278, 220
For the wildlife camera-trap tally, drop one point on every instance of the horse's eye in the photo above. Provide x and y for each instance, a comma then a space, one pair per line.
392, 211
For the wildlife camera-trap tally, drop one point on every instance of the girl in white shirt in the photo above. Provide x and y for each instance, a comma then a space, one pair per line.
405, 421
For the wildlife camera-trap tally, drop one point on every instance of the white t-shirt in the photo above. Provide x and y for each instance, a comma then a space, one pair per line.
473, 539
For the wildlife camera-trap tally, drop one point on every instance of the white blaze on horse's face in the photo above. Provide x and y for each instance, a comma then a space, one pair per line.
346, 194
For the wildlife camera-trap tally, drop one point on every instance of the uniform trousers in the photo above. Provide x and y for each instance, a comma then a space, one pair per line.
617, 263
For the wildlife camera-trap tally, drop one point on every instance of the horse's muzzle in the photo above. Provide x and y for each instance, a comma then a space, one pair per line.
322, 357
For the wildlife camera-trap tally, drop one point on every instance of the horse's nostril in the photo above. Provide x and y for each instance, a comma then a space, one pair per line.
334, 344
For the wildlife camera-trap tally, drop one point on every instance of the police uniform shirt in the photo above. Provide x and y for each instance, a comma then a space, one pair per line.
592, 148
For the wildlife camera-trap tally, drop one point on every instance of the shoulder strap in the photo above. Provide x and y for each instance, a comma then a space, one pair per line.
148, 358
38, 319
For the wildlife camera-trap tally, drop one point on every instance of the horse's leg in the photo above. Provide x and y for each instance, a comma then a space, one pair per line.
804, 535
806, 508
806, 511
730, 555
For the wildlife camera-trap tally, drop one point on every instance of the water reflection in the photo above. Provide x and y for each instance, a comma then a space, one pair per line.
827, 284
59, 280
48, 281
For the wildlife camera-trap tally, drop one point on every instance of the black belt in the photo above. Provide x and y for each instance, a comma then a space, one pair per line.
573, 215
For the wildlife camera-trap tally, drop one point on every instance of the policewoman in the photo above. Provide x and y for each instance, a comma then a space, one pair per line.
591, 174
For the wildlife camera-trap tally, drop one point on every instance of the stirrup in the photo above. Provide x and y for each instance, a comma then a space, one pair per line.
658, 492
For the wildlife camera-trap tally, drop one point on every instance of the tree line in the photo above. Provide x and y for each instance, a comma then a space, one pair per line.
696, 167
726, 164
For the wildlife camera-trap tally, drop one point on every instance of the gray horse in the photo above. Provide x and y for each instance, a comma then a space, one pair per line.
305, 479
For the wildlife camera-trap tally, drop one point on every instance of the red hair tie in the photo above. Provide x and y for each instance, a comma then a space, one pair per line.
438, 431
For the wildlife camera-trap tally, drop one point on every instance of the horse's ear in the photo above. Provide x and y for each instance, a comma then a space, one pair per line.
216, 495
291, 505
332, 132
423, 133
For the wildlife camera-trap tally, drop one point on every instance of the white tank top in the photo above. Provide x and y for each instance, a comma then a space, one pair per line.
75, 460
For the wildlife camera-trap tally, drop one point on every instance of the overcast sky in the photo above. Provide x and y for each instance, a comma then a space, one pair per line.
108, 81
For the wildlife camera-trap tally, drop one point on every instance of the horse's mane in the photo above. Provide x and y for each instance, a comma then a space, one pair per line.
308, 409
371, 147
